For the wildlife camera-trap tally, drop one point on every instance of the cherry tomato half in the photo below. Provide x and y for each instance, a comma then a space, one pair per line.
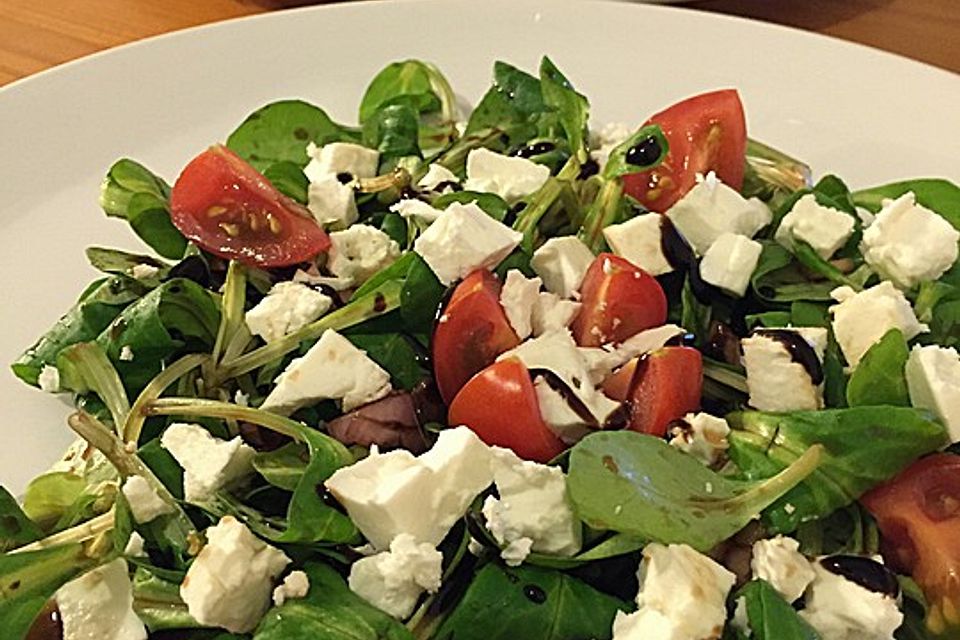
500, 405
667, 385
472, 331
918, 513
229, 209
619, 300
707, 132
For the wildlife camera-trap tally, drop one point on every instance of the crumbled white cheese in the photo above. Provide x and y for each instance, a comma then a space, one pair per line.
611, 136
550, 313
779, 562
135, 546
99, 605
509, 177
331, 202
776, 381
519, 296
357, 253
463, 240
841, 609
711, 209
144, 271
393, 580
556, 412
332, 369
231, 580
341, 157
562, 263
436, 175
908, 243
825, 229
209, 464
640, 240
416, 209
287, 307
49, 379
701, 435
933, 380
393, 493
861, 319
126, 353
295, 585
145, 504
729, 263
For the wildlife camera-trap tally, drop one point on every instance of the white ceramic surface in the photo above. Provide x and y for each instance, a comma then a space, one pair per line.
867, 115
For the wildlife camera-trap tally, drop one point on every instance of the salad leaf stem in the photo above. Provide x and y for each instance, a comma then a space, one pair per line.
383, 299
225, 411
160, 383
231, 308
397, 179
770, 172
85, 366
535, 210
455, 157
811, 260
602, 213
79, 533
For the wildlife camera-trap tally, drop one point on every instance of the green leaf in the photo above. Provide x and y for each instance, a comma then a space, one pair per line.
420, 297
329, 612
48, 496
777, 278
492, 204
572, 108
16, 529
283, 467
514, 105
937, 194
640, 485
771, 617
411, 81
289, 179
280, 131
394, 353
938, 305
29, 579
103, 301
530, 602
879, 378
117, 262
84, 367
150, 219
393, 131
618, 163
863, 446
158, 604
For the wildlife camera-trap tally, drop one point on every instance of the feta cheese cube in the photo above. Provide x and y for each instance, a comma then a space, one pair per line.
418, 210
145, 504
295, 585
550, 313
209, 464
533, 505
359, 252
393, 580
639, 240
825, 229
230, 582
861, 319
49, 379
933, 380
701, 435
842, 609
729, 263
333, 369
711, 209
341, 157
287, 307
778, 382
331, 202
779, 562
392, 493
463, 240
436, 175
99, 605
682, 596
908, 243
562, 263
509, 177
556, 352
519, 296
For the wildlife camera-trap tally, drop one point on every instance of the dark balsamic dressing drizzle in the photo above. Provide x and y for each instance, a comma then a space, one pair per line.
866, 572
799, 349
535, 149
589, 168
675, 249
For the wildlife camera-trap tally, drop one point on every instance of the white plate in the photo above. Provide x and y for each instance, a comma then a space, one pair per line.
869, 116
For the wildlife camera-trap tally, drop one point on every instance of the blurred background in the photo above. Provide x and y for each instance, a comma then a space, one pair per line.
37, 35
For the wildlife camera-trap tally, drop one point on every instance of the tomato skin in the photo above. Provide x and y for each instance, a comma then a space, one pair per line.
918, 513
619, 300
667, 385
230, 210
617, 385
472, 331
500, 405
707, 132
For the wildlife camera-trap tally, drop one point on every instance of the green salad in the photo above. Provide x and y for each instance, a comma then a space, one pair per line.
501, 375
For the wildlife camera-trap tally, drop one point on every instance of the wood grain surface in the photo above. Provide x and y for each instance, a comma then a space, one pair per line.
37, 34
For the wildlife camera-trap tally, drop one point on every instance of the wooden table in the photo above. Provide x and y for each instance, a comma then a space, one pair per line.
36, 34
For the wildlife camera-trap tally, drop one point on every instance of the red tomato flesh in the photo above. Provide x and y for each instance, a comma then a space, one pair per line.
707, 132
229, 209
918, 514
500, 405
667, 385
619, 300
472, 331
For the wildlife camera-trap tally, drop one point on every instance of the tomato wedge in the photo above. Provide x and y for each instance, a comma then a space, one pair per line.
706, 133
667, 385
619, 300
918, 513
472, 331
500, 405
229, 209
